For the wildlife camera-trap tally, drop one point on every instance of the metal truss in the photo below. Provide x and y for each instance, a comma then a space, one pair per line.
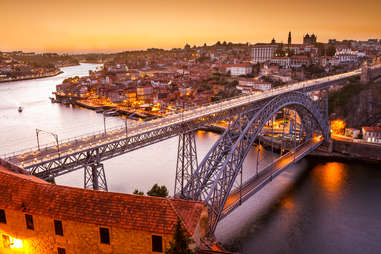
215, 176
94, 176
70, 162
58, 164
186, 161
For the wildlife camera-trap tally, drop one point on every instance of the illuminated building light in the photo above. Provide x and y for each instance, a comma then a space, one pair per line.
15, 243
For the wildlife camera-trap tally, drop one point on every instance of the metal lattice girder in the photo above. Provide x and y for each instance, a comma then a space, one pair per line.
94, 176
216, 174
186, 161
70, 162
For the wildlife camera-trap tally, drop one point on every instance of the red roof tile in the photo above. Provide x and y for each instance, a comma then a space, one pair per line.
131, 212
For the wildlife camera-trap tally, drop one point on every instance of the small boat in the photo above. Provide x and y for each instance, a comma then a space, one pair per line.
20, 109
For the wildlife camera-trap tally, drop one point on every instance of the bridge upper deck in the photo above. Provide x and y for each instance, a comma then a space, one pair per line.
32, 157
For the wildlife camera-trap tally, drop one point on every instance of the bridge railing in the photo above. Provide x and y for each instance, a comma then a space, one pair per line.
190, 113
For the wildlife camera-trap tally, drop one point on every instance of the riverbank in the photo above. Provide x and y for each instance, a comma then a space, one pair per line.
33, 77
340, 150
350, 151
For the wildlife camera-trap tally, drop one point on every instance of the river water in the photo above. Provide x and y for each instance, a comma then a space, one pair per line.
316, 206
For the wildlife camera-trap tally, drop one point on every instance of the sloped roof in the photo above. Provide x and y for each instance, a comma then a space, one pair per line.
131, 212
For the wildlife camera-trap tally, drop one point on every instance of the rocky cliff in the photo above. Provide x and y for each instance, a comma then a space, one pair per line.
358, 105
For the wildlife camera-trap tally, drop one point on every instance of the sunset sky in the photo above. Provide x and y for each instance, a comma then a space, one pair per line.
115, 25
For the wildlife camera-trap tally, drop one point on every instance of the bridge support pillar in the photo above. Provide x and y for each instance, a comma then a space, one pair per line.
94, 177
186, 162
323, 105
364, 78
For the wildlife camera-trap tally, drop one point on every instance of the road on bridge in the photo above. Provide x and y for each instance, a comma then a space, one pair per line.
254, 184
32, 157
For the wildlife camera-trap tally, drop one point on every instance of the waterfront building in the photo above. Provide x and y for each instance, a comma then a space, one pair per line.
371, 134
39, 217
261, 53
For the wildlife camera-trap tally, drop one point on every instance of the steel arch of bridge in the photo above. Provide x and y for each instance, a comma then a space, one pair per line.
214, 178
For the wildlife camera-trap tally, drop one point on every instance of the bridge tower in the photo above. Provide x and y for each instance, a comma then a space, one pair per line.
186, 161
364, 73
94, 176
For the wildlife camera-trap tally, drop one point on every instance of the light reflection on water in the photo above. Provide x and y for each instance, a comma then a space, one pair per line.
333, 208
331, 176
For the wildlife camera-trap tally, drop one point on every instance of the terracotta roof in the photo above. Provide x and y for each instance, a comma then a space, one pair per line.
131, 212
23, 175
372, 129
236, 65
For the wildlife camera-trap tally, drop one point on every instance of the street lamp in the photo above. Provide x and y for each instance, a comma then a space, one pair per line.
50, 133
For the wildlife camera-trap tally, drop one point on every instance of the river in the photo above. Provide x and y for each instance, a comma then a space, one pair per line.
316, 206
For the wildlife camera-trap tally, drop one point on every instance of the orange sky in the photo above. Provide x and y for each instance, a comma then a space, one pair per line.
115, 25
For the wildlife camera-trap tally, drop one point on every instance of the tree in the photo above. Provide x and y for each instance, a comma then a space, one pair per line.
138, 192
181, 241
158, 191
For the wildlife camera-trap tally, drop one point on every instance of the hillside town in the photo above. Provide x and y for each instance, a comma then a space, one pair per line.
18, 65
155, 82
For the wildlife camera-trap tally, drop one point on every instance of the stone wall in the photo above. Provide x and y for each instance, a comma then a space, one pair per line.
77, 238
357, 150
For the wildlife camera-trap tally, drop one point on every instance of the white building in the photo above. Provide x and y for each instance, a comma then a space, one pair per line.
238, 69
281, 61
293, 61
371, 134
347, 58
262, 52
249, 85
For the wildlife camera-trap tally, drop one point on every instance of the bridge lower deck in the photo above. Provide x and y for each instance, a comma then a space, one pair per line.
257, 182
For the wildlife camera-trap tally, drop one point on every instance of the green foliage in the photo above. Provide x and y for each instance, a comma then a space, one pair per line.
138, 192
48, 60
181, 241
158, 191
51, 180
341, 97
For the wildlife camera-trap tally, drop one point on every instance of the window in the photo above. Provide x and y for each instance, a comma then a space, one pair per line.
157, 243
105, 235
3, 219
58, 227
61, 251
29, 221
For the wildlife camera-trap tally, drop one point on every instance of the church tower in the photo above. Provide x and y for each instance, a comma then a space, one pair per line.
289, 38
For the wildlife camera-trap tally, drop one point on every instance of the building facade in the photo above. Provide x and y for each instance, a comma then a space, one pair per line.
371, 134
39, 217
307, 39
238, 69
261, 53
248, 86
